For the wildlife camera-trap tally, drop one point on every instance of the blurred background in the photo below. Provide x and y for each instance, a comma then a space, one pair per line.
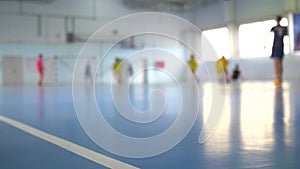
58, 29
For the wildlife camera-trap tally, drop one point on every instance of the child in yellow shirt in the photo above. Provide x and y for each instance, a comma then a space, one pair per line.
193, 65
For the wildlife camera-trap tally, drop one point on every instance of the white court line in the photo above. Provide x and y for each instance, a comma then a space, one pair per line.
77, 149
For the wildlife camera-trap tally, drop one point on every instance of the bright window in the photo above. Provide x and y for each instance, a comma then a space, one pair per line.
255, 39
219, 39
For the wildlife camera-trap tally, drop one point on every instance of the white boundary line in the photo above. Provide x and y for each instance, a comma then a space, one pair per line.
77, 149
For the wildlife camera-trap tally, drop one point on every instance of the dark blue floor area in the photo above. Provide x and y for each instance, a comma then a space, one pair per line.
259, 128
21, 150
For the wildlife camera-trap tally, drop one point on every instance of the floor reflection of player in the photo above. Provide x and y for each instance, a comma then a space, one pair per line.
278, 106
279, 131
41, 103
235, 125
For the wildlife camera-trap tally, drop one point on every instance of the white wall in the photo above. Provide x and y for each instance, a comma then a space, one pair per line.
30, 28
20, 23
30, 52
22, 29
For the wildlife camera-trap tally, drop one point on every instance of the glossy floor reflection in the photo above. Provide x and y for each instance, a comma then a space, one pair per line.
259, 127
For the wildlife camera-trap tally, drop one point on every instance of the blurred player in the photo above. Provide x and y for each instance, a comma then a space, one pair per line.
236, 74
117, 69
40, 69
88, 74
277, 50
193, 66
221, 67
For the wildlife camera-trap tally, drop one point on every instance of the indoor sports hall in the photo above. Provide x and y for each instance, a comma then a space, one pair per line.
139, 84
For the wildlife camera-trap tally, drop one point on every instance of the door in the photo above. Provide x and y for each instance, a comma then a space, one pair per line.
12, 70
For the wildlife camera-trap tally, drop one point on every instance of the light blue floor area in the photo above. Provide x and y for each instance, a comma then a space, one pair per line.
259, 127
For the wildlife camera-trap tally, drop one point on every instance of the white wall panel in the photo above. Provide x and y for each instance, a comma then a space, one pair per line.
87, 27
6, 6
53, 29
12, 70
18, 28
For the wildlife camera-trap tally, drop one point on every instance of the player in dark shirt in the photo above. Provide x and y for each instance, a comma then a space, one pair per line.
277, 50
236, 74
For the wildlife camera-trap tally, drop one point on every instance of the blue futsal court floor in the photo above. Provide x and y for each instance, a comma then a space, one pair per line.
259, 128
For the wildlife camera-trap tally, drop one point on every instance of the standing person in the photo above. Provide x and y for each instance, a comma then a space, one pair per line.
193, 66
40, 69
236, 74
88, 74
117, 69
130, 69
221, 67
277, 50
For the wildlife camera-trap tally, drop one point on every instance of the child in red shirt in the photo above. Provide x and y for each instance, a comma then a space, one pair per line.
40, 69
